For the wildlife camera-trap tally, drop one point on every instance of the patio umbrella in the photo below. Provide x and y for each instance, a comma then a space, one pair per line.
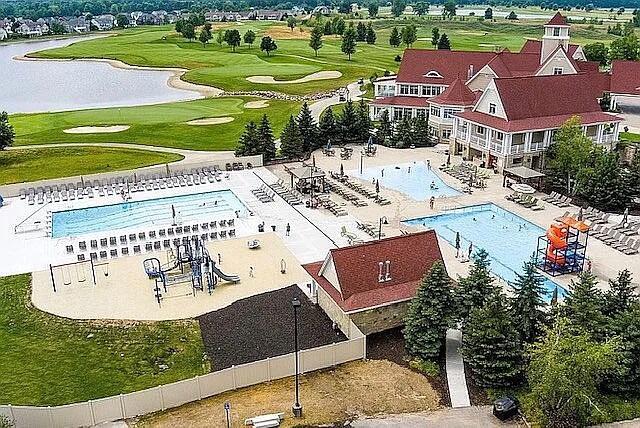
167, 167
554, 297
82, 181
377, 186
135, 177
341, 169
173, 213
625, 215
449, 159
580, 214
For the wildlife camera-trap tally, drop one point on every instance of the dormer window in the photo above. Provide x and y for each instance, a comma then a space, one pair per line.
434, 74
492, 108
557, 70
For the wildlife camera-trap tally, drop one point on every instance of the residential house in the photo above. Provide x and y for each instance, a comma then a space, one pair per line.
29, 28
371, 284
322, 10
77, 25
103, 22
471, 99
269, 15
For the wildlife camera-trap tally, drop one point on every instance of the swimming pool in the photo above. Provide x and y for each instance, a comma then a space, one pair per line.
413, 179
193, 207
509, 239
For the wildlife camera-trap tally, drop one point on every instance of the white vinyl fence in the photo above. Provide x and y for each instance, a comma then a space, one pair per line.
175, 394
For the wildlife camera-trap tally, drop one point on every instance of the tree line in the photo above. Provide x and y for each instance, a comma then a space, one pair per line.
626, 47
565, 358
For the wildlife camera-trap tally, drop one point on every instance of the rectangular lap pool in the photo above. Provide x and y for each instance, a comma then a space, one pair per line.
509, 239
413, 179
149, 212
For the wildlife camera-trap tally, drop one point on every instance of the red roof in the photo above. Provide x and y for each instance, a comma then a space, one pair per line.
357, 269
509, 64
535, 47
401, 100
535, 123
457, 94
558, 19
625, 77
416, 63
543, 96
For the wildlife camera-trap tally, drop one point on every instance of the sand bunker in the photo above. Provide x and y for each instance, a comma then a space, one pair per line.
96, 129
320, 75
211, 121
257, 104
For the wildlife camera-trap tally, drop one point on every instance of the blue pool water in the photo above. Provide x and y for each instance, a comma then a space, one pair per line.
412, 179
189, 208
509, 239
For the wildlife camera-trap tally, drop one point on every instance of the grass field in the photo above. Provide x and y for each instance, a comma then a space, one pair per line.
17, 166
630, 136
158, 125
217, 66
47, 360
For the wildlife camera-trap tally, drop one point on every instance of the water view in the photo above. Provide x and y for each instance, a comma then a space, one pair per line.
74, 85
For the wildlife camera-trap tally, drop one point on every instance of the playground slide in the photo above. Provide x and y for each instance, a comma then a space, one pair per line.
224, 276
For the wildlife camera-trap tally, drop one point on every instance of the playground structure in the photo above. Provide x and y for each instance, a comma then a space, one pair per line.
188, 261
563, 248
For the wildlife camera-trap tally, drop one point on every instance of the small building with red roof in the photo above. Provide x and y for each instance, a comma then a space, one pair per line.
371, 284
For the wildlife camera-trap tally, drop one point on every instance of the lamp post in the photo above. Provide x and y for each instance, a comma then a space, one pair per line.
361, 162
383, 220
297, 408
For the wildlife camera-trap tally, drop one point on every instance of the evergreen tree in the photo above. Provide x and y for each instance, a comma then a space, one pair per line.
621, 294
266, 139
394, 38
338, 25
361, 32
329, 132
626, 326
477, 287
584, 306
315, 41
291, 140
409, 35
403, 134
371, 34
328, 28
348, 124
444, 42
249, 143
373, 9
348, 45
364, 122
249, 37
490, 345
308, 129
435, 36
7, 134
527, 304
429, 315
421, 133
385, 128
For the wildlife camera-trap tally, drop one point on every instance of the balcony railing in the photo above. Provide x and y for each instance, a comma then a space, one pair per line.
519, 148
537, 146
479, 141
496, 146
608, 138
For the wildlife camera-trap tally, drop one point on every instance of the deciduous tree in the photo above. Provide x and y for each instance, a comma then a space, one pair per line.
597, 52
398, 7
409, 35
361, 32
373, 9
249, 38
315, 41
291, 22
371, 34
268, 45
232, 38
188, 31
435, 36
348, 45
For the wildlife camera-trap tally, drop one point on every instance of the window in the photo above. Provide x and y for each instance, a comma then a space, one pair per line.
556, 32
499, 136
492, 108
435, 111
479, 130
557, 70
446, 134
404, 89
424, 90
449, 112
413, 90
421, 113
433, 74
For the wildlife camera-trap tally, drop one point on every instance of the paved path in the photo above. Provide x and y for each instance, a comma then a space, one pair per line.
467, 417
455, 370
630, 107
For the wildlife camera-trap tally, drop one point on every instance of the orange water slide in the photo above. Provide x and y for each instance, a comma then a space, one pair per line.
556, 236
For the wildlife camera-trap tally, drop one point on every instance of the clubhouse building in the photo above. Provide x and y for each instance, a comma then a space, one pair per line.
504, 108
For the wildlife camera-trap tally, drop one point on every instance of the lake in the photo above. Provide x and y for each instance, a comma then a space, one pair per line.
39, 86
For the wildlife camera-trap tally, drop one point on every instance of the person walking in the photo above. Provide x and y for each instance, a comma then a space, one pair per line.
288, 229
219, 258
428, 164
470, 250
432, 202
251, 272
457, 245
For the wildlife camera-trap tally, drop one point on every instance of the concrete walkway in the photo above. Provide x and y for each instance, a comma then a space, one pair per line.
456, 379
468, 417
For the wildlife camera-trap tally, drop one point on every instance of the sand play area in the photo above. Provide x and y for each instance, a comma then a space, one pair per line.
96, 129
320, 75
211, 121
257, 104
123, 290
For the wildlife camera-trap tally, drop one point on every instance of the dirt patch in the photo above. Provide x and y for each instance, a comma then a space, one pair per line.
96, 129
280, 32
211, 121
261, 326
328, 396
389, 345
257, 104
478, 396
320, 75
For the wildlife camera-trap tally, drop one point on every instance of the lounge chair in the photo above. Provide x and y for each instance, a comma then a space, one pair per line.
633, 248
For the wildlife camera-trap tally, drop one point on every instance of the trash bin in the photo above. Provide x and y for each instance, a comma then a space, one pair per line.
505, 408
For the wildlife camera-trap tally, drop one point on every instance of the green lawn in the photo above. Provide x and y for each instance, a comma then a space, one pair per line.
630, 136
217, 66
17, 166
157, 125
47, 360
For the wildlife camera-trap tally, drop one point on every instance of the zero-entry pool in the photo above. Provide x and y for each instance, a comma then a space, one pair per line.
414, 179
159, 211
509, 239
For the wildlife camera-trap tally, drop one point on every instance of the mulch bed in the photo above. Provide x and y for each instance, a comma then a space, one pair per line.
389, 345
478, 396
261, 326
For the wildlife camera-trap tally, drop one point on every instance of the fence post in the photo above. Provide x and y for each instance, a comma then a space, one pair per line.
93, 416
122, 408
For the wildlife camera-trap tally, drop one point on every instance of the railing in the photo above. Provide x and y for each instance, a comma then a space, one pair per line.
519, 148
537, 146
496, 146
479, 141
607, 138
